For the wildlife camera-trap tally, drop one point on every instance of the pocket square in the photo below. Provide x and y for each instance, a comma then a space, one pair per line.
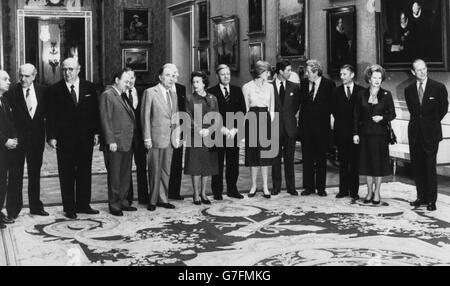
87, 95
432, 98
292, 94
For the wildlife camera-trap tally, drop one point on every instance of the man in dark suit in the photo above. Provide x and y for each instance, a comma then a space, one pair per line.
27, 101
231, 101
8, 143
73, 130
134, 99
314, 121
427, 102
118, 124
343, 102
287, 104
176, 167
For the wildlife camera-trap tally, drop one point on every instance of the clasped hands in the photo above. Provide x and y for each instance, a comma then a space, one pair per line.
229, 133
376, 119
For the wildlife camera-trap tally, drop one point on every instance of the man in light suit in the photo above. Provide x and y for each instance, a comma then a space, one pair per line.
315, 127
73, 130
158, 113
427, 102
287, 104
8, 143
118, 126
28, 103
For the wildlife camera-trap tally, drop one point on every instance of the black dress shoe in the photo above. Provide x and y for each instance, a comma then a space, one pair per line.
307, 193
251, 195
418, 203
39, 213
176, 198
197, 203
151, 208
355, 198
89, 211
205, 201
129, 209
165, 205
368, 201
293, 192
340, 196
431, 207
235, 195
70, 215
267, 196
117, 213
322, 193
275, 191
218, 197
8, 220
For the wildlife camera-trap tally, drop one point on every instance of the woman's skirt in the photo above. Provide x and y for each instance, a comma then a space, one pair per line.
254, 155
374, 156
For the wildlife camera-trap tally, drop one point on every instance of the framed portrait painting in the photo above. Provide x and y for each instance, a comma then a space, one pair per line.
226, 42
203, 60
256, 16
135, 25
136, 59
341, 38
256, 53
409, 30
203, 18
293, 28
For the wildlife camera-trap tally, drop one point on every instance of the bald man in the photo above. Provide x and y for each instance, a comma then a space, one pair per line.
27, 101
8, 142
73, 130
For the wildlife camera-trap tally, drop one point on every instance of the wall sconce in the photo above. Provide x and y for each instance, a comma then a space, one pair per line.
53, 59
45, 33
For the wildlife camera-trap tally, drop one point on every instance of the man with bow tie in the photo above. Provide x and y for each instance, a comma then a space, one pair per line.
287, 104
343, 103
73, 130
427, 102
119, 132
28, 103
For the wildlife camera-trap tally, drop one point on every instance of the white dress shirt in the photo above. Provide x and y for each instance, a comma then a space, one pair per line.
31, 101
316, 87
164, 92
222, 88
352, 86
76, 85
135, 97
424, 85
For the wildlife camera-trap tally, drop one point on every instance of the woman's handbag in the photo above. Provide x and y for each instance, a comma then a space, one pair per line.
391, 134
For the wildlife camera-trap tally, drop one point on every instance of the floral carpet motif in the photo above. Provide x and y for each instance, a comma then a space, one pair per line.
284, 230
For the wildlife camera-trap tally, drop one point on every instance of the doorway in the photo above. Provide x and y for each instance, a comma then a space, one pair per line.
46, 38
182, 45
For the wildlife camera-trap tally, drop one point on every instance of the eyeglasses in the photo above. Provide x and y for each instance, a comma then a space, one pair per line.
69, 69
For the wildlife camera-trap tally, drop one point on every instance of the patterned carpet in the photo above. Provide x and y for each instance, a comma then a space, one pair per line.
284, 230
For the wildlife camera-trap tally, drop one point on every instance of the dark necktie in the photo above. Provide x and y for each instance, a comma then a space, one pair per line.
130, 93
349, 93
73, 93
227, 95
312, 91
125, 99
28, 100
421, 93
282, 92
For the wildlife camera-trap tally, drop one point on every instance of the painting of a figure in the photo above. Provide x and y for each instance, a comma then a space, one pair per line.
226, 42
292, 28
135, 25
136, 59
341, 38
412, 29
256, 14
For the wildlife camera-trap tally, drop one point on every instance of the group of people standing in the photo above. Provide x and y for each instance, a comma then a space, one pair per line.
73, 119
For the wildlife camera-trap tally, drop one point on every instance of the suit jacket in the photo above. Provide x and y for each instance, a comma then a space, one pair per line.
289, 109
156, 117
7, 128
363, 113
236, 103
342, 110
315, 115
117, 120
67, 121
30, 131
426, 119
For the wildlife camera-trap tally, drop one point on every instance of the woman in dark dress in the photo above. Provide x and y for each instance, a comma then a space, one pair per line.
373, 110
201, 162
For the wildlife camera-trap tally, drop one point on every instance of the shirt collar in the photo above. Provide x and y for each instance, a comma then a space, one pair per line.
222, 87
75, 84
424, 83
31, 87
351, 85
163, 89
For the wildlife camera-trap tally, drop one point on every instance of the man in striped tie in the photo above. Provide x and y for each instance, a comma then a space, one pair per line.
27, 100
